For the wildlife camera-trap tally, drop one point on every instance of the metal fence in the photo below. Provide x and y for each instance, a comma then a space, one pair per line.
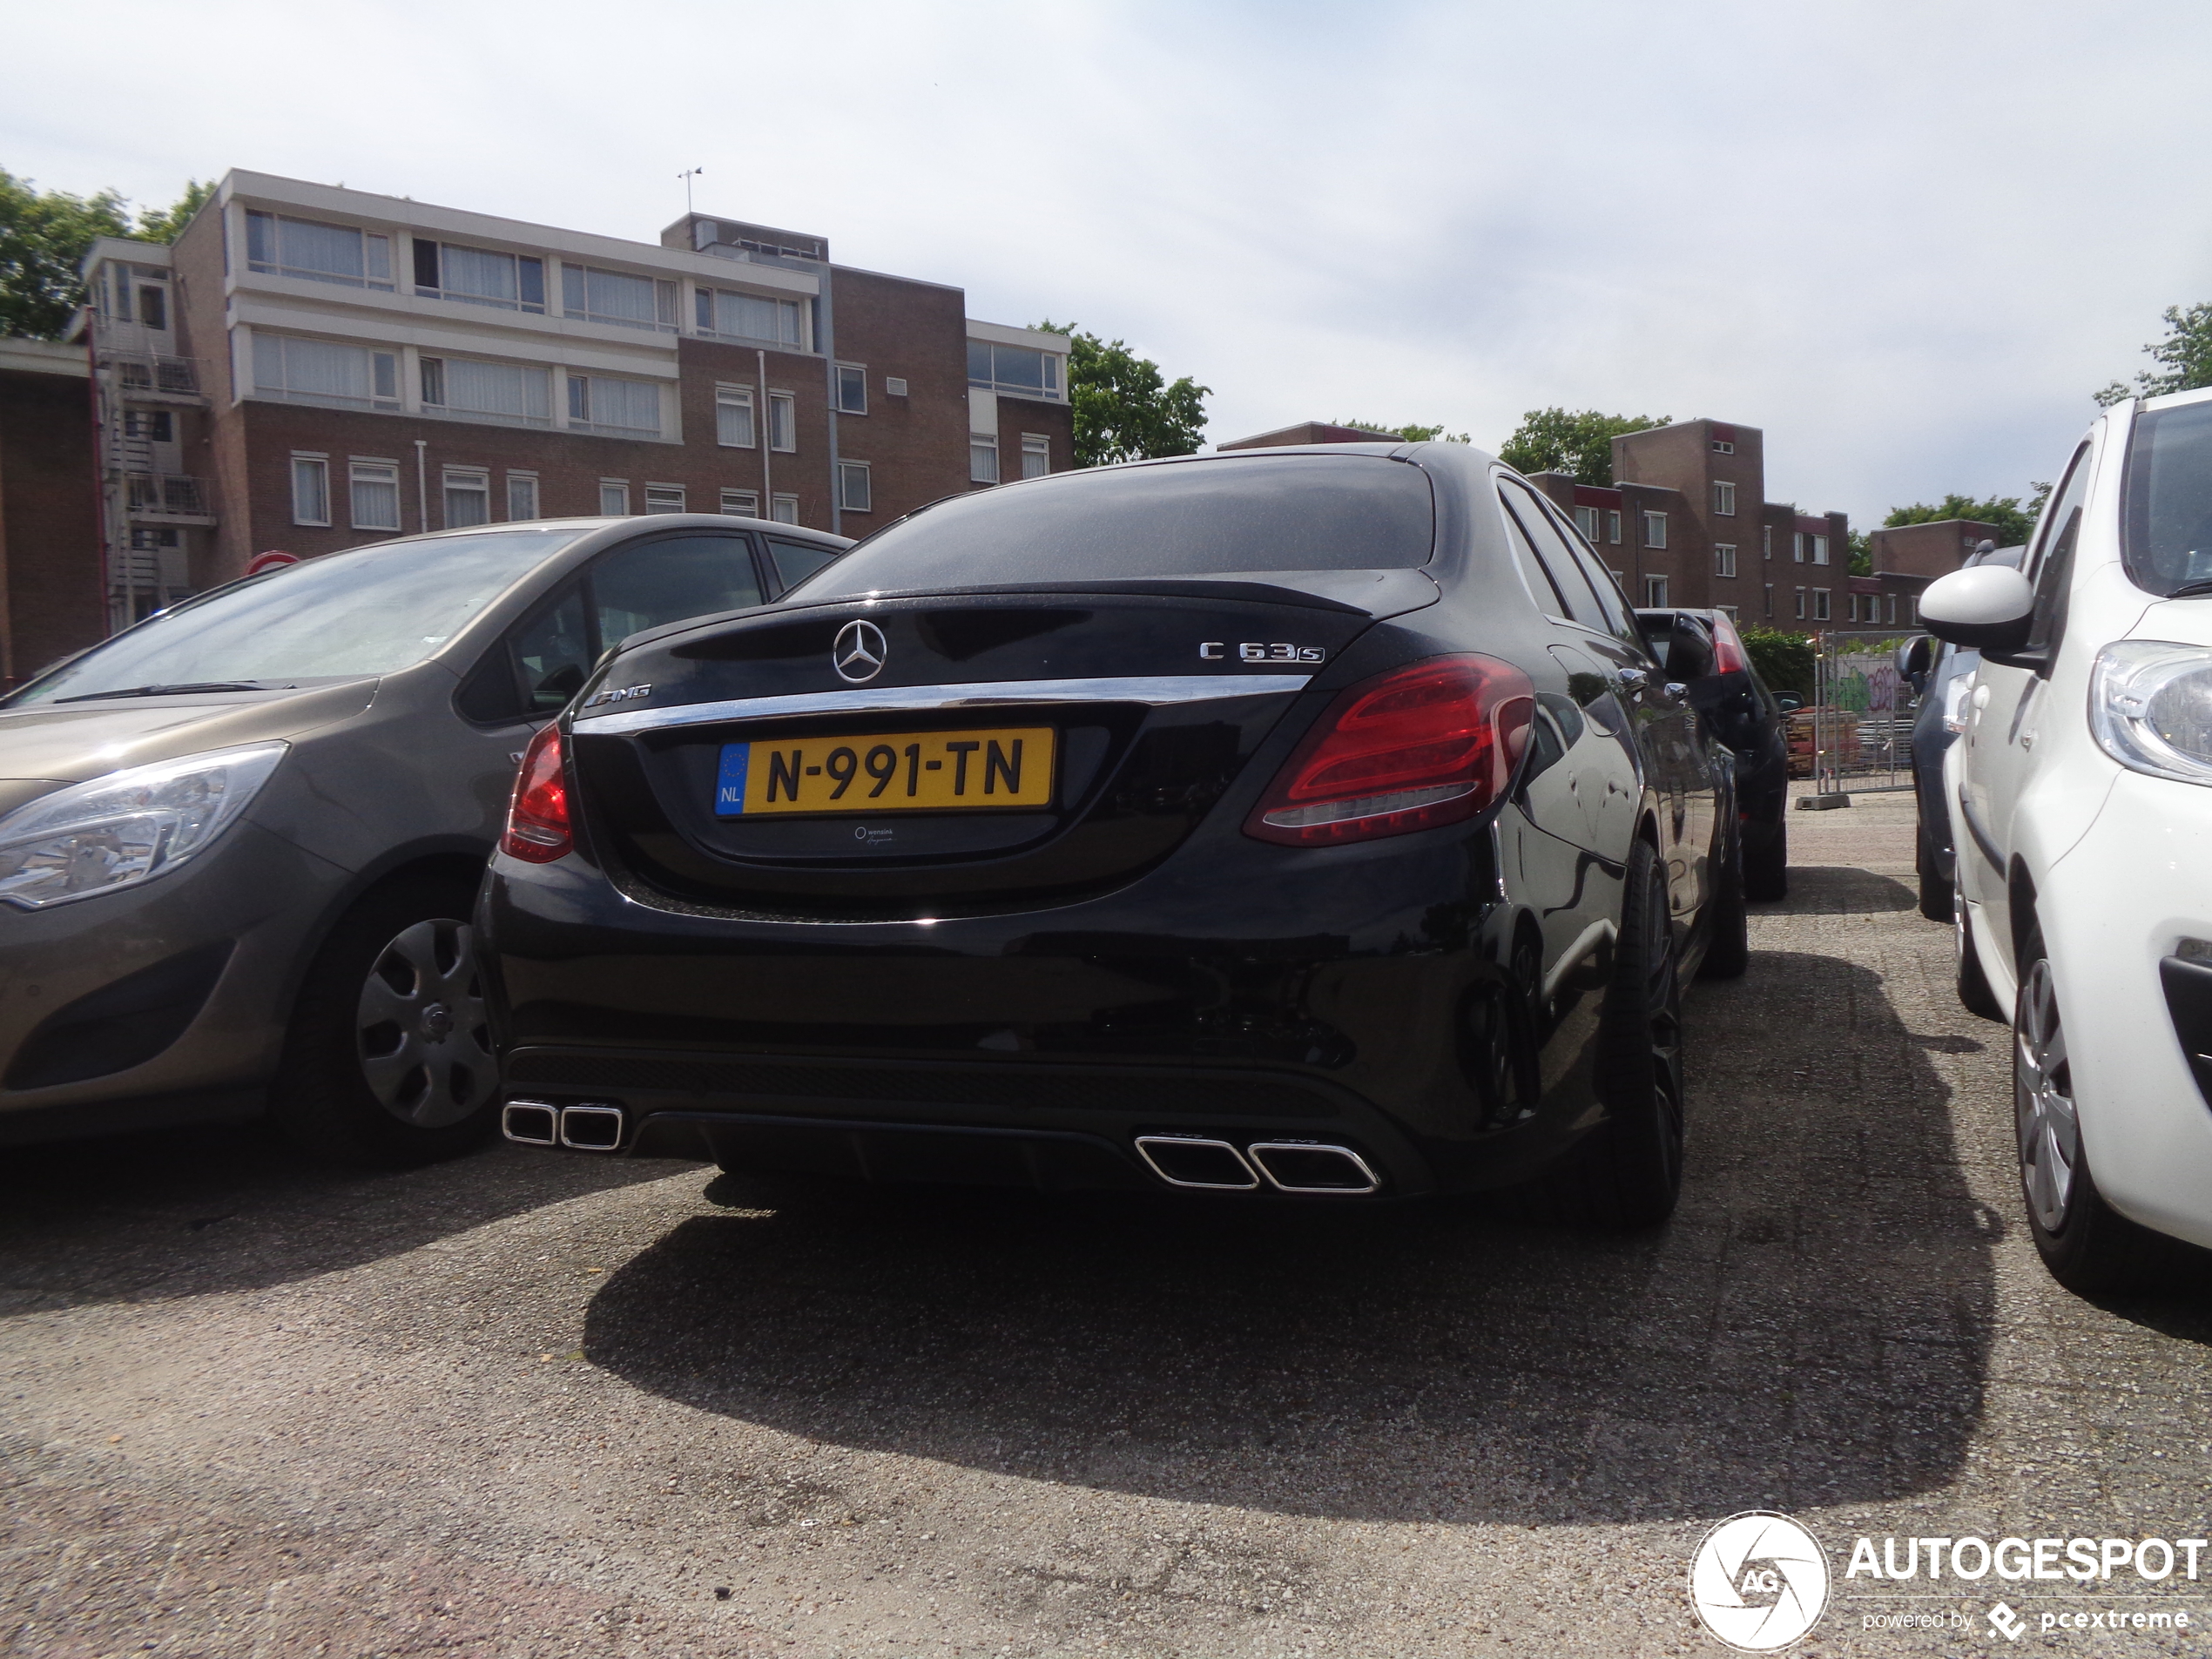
1858, 735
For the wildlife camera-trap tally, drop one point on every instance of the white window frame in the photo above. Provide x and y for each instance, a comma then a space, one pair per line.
1723, 498
469, 481
741, 503
1766, 541
856, 376
1613, 527
783, 422
1727, 610
376, 247
1655, 593
664, 298
782, 510
383, 372
665, 498
1651, 520
1586, 521
706, 309
614, 498
850, 500
1820, 549
1037, 446
1723, 447
580, 397
1796, 547
361, 469
1801, 604
439, 291
525, 482
981, 445
1820, 605
1723, 558
315, 469
736, 402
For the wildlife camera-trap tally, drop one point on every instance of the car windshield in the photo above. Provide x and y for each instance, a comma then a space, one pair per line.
368, 611
2167, 539
1200, 518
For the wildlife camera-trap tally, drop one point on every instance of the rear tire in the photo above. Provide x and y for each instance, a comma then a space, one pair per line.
1627, 1173
1728, 936
1935, 888
1766, 867
388, 1059
2088, 1246
1974, 995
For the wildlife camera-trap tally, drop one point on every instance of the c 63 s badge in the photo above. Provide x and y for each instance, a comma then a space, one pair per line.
1251, 651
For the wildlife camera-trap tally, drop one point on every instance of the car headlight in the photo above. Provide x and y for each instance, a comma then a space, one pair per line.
127, 827
2150, 704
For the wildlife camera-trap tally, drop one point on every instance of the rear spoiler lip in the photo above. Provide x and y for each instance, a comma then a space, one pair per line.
1164, 587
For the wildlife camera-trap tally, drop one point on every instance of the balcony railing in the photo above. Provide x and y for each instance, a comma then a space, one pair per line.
147, 372
166, 493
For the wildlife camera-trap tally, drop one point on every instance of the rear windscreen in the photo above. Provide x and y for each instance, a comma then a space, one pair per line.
2168, 535
1198, 518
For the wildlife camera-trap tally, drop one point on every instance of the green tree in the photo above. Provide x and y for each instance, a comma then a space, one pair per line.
1862, 552
1578, 441
2185, 353
44, 236
2013, 522
1784, 660
1124, 408
1414, 433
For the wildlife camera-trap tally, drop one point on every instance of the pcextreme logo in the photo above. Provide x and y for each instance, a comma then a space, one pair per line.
1759, 1581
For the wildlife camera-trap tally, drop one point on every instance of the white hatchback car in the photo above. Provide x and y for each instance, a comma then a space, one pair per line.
2081, 794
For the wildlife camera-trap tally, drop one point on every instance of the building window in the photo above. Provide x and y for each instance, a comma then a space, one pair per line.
478, 276
1820, 549
1892, 607
733, 416
745, 503
1727, 610
303, 247
499, 393
1022, 370
467, 497
1797, 546
373, 488
612, 296
893, 386
1724, 497
614, 497
521, 495
151, 426
783, 421
1801, 604
326, 374
663, 498
1655, 530
784, 509
852, 491
1850, 608
1820, 604
621, 408
982, 458
148, 538
1036, 454
310, 490
852, 389
1586, 521
746, 316
1723, 558
1654, 592
1766, 541
153, 306
1723, 447
1612, 528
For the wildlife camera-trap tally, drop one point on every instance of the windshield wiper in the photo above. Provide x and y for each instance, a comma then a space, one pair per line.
170, 691
2188, 590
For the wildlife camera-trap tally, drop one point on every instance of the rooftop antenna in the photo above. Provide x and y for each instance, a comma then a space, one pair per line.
687, 175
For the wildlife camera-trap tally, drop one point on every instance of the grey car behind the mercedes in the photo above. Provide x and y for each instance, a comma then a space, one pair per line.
240, 841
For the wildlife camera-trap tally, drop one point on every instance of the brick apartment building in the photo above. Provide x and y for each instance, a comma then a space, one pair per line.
1905, 559
1687, 523
308, 367
51, 601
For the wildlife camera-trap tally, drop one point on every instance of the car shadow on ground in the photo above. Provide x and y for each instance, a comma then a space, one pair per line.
1812, 1328
228, 1207
1823, 889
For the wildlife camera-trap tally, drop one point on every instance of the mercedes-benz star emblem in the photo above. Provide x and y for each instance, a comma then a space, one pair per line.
860, 650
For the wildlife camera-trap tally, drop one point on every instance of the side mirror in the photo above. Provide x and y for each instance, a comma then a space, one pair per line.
1914, 659
1987, 606
1689, 655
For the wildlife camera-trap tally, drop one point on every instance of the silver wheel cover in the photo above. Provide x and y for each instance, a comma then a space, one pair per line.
2050, 1134
420, 1033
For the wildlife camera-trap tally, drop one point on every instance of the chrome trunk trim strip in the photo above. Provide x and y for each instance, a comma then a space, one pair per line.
1153, 689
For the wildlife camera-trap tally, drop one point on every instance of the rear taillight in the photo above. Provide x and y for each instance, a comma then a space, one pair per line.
1729, 655
1433, 743
538, 816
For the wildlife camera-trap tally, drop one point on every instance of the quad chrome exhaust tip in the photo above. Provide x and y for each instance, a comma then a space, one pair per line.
584, 1128
1204, 1163
1313, 1167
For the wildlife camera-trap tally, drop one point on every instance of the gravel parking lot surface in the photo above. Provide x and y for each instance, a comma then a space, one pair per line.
527, 1405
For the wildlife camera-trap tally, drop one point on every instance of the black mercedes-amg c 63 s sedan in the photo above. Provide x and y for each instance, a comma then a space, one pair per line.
1302, 824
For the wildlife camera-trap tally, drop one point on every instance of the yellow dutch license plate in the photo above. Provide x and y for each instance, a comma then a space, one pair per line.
910, 772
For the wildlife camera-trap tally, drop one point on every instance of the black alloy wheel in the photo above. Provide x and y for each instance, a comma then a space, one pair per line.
388, 1061
1626, 1172
2088, 1245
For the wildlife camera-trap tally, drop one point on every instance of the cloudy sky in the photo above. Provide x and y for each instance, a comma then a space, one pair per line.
1907, 240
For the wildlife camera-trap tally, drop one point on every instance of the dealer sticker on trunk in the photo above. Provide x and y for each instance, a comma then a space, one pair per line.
906, 771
